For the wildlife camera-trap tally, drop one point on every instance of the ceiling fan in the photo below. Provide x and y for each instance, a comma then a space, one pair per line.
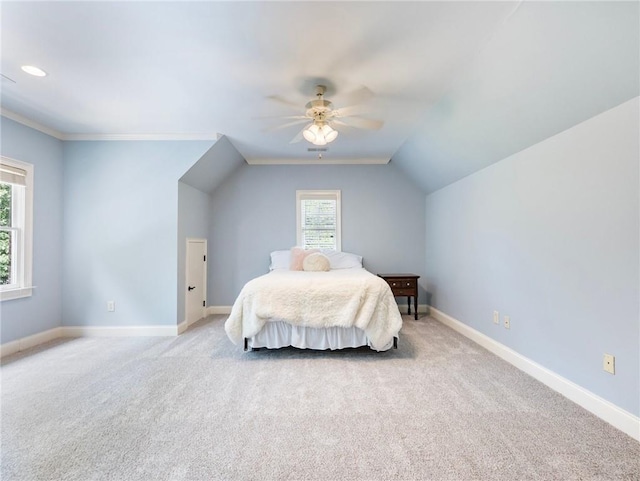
322, 118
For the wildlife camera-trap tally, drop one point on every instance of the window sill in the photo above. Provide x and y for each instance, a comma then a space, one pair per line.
16, 293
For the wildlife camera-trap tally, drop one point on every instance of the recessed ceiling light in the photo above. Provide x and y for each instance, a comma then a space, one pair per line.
30, 69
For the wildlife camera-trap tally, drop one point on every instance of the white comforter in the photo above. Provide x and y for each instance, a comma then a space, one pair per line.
344, 297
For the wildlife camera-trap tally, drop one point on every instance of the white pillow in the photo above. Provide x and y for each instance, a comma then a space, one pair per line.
316, 262
342, 260
280, 260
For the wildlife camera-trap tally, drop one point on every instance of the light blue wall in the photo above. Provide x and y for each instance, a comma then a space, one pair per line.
121, 230
549, 236
254, 213
193, 222
43, 310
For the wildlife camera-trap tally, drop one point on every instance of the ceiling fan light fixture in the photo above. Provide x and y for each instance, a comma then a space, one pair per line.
329, 133
311, 133
319, 134
320, 140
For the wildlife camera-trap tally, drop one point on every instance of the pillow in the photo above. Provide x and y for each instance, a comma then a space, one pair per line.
342, 260
280, 260
297, 257
316, 262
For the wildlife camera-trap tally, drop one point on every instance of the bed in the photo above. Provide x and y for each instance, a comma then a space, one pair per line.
342, 306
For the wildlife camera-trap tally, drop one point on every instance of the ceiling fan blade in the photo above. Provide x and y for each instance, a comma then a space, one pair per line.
346, 111
335, 121
362, 123
288, 124
298, 136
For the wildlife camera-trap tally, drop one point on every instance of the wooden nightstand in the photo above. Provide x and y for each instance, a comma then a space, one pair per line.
404, 285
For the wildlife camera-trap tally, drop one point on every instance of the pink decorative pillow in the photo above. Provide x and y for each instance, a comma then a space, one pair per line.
297, 257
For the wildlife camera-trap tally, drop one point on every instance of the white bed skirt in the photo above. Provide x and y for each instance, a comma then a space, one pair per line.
277, 334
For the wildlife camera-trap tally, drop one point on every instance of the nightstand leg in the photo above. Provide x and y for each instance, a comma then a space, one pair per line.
408, 304
415, 304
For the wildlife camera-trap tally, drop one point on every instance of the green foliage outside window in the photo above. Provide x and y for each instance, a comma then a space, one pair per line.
5, 237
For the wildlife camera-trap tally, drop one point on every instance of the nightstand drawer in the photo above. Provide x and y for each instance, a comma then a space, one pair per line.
402, 284
403, 292
399, 283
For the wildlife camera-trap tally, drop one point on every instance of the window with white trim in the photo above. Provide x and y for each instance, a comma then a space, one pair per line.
318, 219
16, 212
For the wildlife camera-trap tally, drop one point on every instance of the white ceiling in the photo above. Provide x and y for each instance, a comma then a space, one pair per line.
459, 85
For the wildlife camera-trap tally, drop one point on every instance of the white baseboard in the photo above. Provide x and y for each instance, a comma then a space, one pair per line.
86, 331
605, 410
101, 331
183, 326
211, 310
118, 331
29, 341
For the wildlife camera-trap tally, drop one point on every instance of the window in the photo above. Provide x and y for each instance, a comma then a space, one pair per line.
318, 219
16, 198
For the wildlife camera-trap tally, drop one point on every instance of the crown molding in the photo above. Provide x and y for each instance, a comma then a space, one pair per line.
97, 137
168, 136
315, 160
31, 123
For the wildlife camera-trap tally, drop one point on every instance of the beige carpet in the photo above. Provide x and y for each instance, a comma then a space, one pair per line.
197, 407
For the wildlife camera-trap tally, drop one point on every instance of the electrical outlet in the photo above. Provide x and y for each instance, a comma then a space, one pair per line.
496, 317
507, 322
609, 363
111, 306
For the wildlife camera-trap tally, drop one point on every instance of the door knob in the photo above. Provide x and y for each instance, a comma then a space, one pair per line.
191, 288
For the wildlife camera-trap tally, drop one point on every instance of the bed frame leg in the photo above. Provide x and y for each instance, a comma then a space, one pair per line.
395, 343
246, 343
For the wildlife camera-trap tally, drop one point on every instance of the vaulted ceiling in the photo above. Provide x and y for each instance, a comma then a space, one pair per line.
458, 85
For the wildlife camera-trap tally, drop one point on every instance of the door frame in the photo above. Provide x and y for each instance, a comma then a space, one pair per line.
195, 240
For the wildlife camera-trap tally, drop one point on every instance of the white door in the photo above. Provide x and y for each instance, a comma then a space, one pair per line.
196, 295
